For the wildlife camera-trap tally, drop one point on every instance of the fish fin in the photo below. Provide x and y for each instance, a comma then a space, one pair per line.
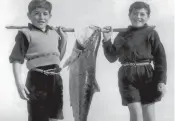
96, 86
75, 55
68, 61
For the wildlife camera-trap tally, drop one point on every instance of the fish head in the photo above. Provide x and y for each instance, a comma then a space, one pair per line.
88, 39
87, 35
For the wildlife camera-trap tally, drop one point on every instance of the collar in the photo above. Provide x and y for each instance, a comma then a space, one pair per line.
137, 28
31, 26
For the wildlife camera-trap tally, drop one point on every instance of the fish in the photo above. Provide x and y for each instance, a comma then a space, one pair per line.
82, 71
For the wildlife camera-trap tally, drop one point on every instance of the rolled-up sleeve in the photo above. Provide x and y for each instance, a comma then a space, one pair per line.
20, 48
159, 58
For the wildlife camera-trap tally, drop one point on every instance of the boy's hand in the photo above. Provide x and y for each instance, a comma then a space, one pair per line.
62, 34
107, 35
23, 91
161, 87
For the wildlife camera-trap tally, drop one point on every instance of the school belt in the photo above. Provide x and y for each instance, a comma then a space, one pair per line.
136, 64
46, 72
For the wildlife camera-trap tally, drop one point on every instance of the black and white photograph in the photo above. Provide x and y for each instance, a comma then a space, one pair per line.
87, 60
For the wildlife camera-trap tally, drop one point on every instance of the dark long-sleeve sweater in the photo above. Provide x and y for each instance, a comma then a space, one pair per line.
138, 44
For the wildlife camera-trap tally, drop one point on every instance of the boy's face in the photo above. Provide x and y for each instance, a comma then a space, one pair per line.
138, 17
40, 17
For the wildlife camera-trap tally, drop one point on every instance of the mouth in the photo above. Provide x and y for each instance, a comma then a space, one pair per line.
41, 22
138, 21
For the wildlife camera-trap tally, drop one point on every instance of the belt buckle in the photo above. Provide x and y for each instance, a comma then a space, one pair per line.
132, 64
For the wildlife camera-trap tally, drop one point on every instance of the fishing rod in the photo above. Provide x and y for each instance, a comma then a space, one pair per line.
69, 29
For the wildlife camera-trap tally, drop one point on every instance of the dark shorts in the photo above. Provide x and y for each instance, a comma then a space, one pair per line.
46, 96
136, 84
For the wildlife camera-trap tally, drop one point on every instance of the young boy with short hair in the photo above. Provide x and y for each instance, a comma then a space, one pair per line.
140, 84
43, 47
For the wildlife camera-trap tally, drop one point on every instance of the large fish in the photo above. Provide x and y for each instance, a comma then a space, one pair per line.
82, 65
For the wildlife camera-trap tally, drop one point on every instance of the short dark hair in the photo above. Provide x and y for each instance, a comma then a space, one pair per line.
140, 5
39, 4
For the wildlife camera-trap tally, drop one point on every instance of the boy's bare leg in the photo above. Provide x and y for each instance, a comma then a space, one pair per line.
148, 112
52, 119
135, 110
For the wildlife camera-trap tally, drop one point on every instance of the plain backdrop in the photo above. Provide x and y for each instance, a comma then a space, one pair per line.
106, 104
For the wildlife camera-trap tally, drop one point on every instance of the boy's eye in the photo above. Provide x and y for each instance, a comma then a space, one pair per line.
36, 13
135, 13
142, 14
45, 13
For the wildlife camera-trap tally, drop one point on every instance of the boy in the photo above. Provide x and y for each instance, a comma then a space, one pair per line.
140, 85
43, 48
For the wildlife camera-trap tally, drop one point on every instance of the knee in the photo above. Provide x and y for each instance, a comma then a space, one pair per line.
136, 113
51, 119
148, 112
135, 110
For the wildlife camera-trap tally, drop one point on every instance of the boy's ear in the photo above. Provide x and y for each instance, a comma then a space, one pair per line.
50, 15
28, 15
129, 14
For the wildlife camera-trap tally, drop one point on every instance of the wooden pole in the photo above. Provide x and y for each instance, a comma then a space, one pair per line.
68, 29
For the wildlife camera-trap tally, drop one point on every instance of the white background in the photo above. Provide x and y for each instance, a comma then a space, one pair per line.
106, 105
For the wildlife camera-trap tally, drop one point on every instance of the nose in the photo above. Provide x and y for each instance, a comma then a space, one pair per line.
138, 16
41, 16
